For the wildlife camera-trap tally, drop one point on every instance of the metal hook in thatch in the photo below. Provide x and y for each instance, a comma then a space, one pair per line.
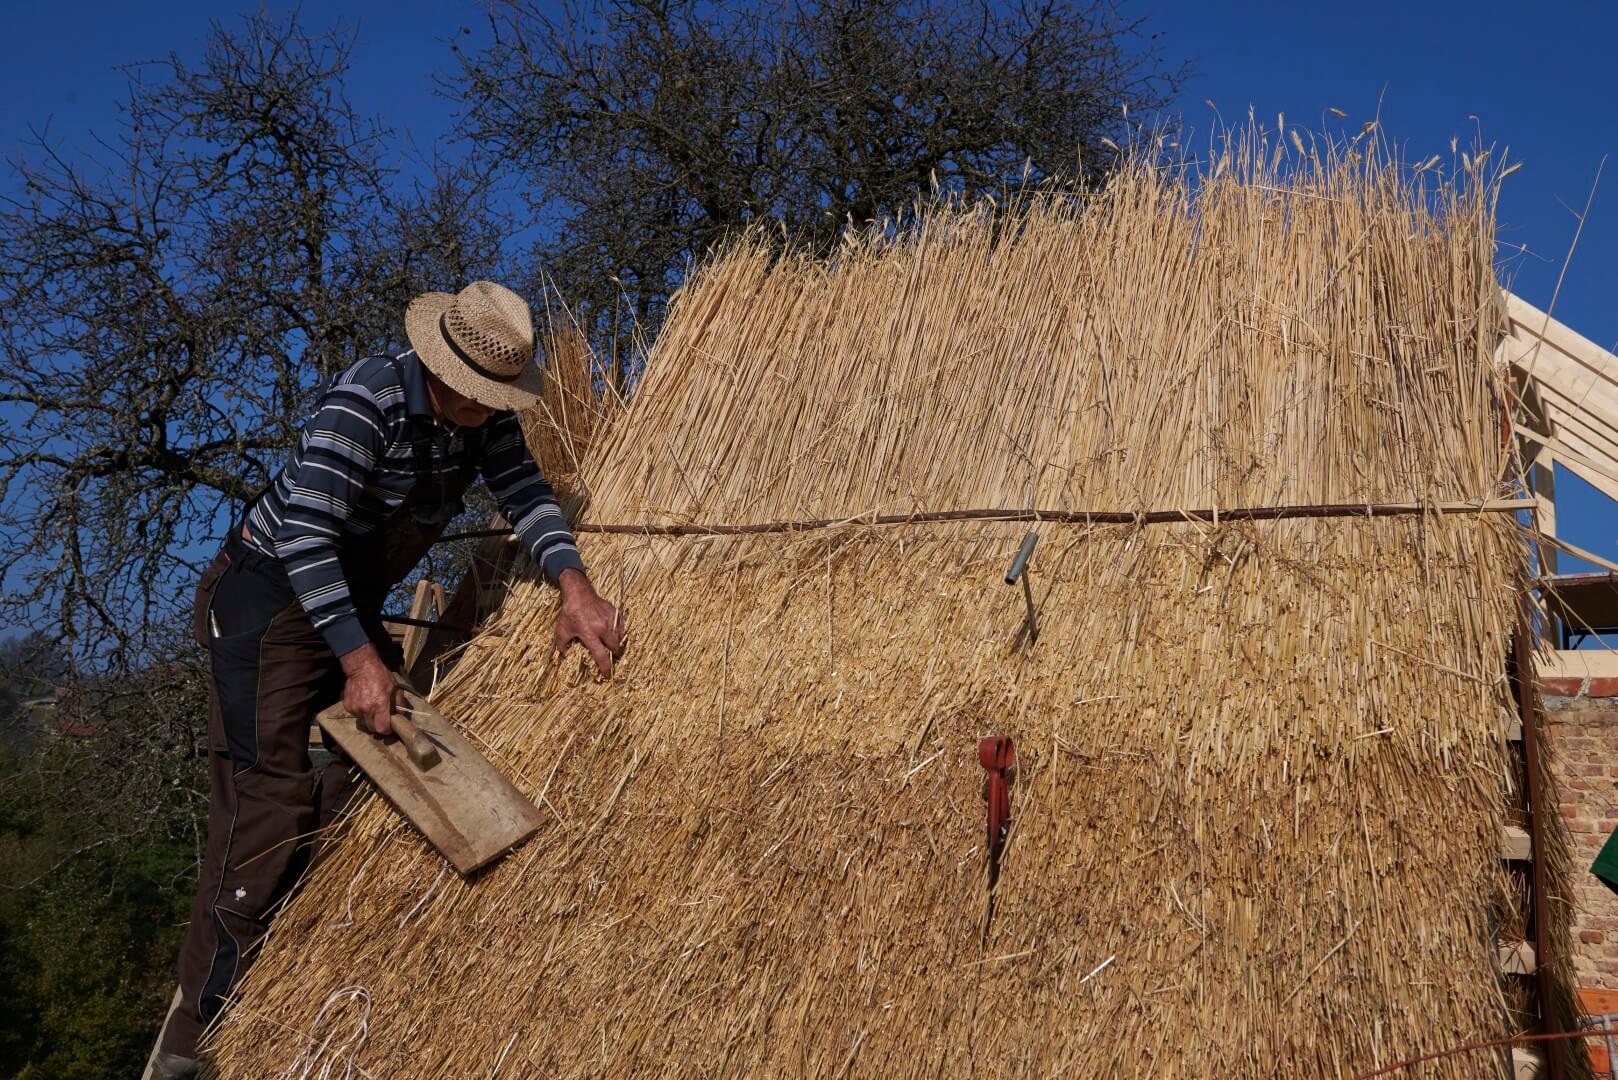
1018, 571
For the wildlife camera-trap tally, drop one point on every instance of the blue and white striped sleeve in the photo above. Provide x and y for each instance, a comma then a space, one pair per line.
526, 500
343, 442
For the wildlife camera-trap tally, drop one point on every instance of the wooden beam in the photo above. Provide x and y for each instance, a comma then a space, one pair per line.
1553, 449
416, 636
1540, 455
1544, 516
1579, 664
1588, 556
1595, 479
151, 1058
1541, 458
1536, 323
1584, 424
1526, 1064
1570, 385
1515, 844
1517, 959
1584, 388
1568, 418
481, 589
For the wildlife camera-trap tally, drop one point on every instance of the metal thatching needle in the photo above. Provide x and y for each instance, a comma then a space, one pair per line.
1019, 571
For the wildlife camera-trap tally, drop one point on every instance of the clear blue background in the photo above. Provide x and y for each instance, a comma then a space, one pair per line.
1540, 79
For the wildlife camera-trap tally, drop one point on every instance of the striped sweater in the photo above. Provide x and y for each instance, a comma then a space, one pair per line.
354, 464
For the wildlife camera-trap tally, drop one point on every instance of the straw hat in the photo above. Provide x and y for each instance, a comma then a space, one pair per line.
480, 341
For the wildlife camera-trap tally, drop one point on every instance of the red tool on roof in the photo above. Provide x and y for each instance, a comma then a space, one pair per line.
996, 755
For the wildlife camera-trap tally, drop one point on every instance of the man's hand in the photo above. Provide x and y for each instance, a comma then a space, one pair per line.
589, 620
368, 689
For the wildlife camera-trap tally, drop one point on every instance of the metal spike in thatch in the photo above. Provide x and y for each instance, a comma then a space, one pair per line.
1261, 769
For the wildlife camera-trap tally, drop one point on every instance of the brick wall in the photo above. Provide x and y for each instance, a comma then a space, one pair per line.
1581, 717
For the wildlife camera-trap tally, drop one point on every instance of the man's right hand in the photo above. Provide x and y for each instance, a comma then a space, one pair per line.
368, 689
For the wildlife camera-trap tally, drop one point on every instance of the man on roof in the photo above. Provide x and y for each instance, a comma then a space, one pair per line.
290, 608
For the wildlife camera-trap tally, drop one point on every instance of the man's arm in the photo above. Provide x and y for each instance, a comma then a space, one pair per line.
529, 503
345, 439
526, 499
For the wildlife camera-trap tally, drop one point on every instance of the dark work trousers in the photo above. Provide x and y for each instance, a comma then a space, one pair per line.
272, 671
269, 812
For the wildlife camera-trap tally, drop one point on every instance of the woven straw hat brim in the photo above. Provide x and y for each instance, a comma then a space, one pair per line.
422, 328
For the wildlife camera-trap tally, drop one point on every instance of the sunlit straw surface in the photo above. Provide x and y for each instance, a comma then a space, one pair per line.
1262, 766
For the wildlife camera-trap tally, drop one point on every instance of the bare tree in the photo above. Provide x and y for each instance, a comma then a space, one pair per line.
648, 130
168, 308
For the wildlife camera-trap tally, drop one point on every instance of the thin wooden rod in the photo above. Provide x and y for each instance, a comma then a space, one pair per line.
1524, 683
430, 624
1069, 517
1578, 552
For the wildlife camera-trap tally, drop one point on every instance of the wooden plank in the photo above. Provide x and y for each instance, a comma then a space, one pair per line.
416, 636
1581, 430
1526, 1064
1598, 1002
1544, 517
151, 1058
481, 589
1567, 386
1579, 664
1536, 323
1569, 420
1542, 482
1515, 844
1588, 375
1583, 423
1517, 958
1577, 399
1607, 487
463, 806
1554, 449
1587, 556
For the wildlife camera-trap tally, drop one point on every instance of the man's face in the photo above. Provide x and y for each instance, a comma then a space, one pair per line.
459, 409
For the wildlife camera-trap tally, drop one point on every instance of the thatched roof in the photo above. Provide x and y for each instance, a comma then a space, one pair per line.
1262, 764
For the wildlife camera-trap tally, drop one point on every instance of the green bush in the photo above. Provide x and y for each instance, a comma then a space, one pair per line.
98, 843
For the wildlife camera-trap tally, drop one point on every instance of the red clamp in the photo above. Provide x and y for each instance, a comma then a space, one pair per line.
997, 756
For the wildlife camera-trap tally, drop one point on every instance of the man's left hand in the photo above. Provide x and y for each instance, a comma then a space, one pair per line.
589, 620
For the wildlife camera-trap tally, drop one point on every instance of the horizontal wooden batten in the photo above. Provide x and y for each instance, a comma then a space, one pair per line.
1210, 516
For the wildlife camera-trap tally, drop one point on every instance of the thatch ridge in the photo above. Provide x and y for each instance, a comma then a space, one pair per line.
1262, 765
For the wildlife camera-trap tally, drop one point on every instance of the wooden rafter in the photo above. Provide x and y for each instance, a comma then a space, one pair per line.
1570, 389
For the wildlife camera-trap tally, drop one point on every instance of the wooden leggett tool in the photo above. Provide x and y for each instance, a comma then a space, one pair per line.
439, 781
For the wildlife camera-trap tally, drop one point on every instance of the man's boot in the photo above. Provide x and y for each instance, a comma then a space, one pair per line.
174, 1067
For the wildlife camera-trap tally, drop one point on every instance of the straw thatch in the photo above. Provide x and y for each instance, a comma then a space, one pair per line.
1262, 765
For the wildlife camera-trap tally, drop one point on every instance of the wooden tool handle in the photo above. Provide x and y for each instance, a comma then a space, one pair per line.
420, 748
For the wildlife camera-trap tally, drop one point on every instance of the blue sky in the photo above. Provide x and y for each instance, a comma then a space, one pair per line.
1538, 79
